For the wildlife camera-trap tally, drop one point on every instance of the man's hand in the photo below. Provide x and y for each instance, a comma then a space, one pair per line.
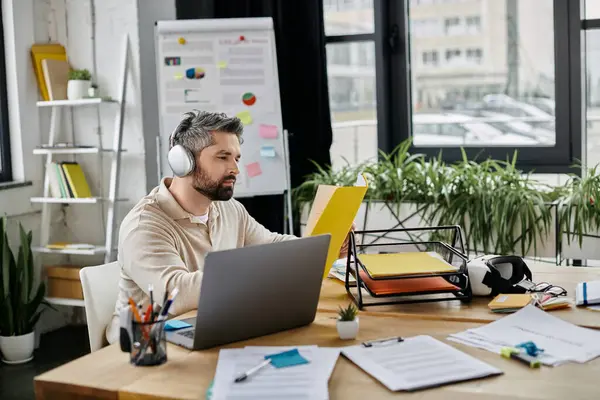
345, 245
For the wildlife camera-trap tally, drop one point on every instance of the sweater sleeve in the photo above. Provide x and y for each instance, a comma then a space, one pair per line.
150, 256
255, 233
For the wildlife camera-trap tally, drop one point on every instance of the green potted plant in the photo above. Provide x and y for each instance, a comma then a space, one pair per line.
79, 83
347, 322
20, 298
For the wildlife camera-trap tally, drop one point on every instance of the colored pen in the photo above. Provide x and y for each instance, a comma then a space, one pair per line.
252, 370
151, 291
515, 354
134, 310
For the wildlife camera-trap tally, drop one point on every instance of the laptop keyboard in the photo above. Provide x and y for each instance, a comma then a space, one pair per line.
189, 334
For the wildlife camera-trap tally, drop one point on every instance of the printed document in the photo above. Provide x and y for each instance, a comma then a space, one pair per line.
561, 340
306, 381
416, 363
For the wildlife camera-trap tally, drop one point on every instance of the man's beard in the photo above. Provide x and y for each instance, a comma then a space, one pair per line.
213, 190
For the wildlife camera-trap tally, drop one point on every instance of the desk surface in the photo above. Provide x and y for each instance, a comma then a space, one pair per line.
108, 374
333, 294
186, 375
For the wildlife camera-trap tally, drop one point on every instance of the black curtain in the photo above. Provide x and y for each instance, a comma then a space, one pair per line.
300, 42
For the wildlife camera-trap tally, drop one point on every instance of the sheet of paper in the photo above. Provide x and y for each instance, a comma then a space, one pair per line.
245, 117
253, 169
306, 381
267, 131
418, 362
560, 339
267, 151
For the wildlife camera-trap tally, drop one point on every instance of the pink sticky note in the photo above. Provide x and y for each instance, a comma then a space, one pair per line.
253, 169
267, 131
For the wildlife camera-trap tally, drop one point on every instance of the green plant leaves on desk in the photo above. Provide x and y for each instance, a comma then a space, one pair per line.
348, 314
20, 298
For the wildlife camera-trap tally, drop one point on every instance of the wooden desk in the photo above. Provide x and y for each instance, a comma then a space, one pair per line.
333, 294
107, 373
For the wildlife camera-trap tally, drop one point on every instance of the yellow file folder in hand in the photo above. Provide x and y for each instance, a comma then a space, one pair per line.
333, 212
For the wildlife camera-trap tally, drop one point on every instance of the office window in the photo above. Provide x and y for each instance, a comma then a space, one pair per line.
453, 26
345, 17
474, 56
5, 161
351, 65
473, 25
430, 57
492, 77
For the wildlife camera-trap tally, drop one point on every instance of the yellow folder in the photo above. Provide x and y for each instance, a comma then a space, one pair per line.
396, 264
333, 212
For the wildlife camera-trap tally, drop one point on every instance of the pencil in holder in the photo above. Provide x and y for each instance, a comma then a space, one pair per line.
149, 343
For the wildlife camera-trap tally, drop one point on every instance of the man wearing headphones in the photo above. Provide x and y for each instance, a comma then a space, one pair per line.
163, 240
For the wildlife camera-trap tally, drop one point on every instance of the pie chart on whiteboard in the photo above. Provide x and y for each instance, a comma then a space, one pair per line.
194, 73
249, 99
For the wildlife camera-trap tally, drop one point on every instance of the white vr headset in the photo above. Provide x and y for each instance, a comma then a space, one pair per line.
490, 275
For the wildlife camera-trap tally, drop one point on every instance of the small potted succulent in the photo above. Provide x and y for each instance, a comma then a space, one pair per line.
347, 323
79, 83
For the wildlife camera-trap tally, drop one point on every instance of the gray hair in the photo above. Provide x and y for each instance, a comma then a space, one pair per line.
194, 130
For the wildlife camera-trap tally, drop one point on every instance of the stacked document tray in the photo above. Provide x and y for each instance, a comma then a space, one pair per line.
394, 270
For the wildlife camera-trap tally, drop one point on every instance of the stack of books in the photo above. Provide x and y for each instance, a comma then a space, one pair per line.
67, 180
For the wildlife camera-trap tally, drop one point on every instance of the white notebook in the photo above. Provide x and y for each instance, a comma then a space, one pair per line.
416, 363
587, 293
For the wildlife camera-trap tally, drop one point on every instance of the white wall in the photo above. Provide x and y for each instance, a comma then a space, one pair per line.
92, 32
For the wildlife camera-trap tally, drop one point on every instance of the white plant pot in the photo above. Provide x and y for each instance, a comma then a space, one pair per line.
17, 349
77, 90
347, 329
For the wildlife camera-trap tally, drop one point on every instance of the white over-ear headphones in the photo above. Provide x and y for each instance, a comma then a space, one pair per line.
181, 160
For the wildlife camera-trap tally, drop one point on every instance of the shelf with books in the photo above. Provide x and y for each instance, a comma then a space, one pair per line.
71, 249
65, 182
45, 150
65, 302
75, 103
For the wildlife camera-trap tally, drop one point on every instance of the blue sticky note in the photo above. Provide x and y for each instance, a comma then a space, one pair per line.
175, 324
287, 359
267, 151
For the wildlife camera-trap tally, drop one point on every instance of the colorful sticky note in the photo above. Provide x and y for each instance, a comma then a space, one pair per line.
267, 151
253, 169
267, 131
178, 76
287, 359
175, 324
222, 64
245, 117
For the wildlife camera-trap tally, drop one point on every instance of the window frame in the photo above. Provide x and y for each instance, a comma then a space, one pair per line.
5, 156
394, 89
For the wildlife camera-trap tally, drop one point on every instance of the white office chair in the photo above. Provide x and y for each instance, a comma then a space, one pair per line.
100, 286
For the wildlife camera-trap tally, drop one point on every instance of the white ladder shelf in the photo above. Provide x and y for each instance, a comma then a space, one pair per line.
50, 149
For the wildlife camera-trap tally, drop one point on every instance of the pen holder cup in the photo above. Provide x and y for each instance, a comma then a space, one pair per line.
149, 344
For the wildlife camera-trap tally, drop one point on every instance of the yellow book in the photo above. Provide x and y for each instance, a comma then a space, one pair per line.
77, 180
39, 52
333, 212
512, 301
395, 264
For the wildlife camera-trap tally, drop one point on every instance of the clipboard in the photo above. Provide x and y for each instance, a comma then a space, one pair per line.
333, 211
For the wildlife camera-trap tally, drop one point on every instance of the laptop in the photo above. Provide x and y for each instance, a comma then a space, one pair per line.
255, 291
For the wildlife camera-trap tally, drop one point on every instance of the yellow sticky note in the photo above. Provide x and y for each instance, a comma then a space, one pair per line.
245, 117
181, 40
179, 76
222, 64
333, 212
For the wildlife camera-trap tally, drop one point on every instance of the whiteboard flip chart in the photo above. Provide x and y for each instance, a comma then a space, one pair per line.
230, 66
